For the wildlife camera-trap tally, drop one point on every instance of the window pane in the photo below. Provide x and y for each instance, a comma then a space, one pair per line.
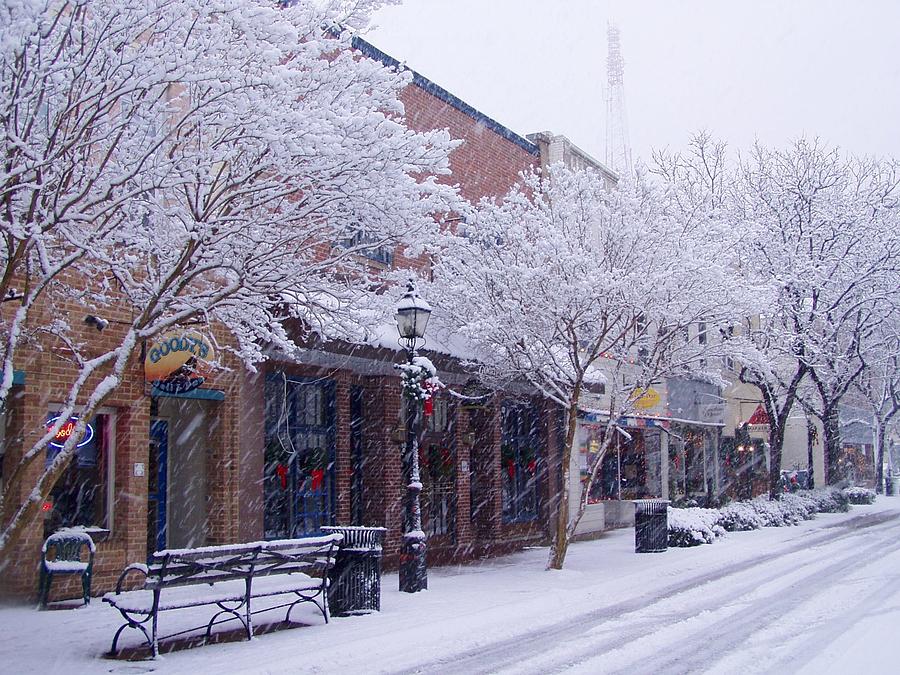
519, 458
79, 496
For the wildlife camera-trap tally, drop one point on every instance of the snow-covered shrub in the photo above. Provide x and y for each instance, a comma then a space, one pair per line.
829, 500
693, 526
739, 516
802, 506
773, 513
859, 495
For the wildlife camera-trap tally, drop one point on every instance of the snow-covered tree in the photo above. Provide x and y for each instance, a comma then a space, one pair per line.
824, 232
570, 288
879, 384
178, 161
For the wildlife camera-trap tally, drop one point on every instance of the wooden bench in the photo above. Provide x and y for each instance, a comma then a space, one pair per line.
229, 577
67, 551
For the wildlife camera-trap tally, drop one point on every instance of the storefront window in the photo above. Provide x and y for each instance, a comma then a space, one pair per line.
81, 497
590, 441
2, 447
687, 461
437, 469
437, 466
623, 469
299, 456
743, 463
519, 457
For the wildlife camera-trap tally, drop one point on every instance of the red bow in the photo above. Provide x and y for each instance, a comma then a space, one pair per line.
282, 472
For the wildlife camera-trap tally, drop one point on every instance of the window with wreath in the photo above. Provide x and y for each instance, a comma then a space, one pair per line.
437, 467
520, 455
298, 481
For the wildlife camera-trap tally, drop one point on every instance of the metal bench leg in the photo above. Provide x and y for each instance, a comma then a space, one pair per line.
130, 623
154, 646
44, 588
233, 612
86, 587
247, 597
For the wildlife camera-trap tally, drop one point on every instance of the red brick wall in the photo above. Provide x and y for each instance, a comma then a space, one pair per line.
486, 164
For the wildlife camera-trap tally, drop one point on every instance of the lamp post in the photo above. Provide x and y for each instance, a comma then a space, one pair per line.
412, 317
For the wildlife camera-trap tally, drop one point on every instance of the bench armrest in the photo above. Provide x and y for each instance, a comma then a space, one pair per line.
133, 567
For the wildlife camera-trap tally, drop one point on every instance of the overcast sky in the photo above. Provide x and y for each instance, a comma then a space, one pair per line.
740, 69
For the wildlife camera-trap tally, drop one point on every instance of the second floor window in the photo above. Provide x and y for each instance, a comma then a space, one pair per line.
381, 254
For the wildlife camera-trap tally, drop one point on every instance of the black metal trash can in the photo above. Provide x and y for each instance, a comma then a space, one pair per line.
888, 485
355, 580
651, 525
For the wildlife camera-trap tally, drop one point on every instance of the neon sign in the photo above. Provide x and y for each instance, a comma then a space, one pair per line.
66, 430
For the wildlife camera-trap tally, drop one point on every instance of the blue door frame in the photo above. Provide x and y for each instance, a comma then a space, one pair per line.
159, 443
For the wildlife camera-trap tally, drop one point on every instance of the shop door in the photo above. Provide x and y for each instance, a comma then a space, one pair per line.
157, 485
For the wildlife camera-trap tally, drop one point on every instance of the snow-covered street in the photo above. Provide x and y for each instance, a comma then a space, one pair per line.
820, 597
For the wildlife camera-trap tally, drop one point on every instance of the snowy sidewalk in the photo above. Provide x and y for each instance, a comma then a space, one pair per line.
467, 609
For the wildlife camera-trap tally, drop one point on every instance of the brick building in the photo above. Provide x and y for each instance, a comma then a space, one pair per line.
301, 443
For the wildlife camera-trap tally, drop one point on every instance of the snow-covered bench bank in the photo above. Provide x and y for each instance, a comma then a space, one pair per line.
229, 577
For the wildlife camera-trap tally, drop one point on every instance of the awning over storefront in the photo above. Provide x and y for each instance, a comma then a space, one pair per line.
201, 394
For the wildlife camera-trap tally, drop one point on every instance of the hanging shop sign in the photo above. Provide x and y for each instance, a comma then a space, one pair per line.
712, 413
644, 399
66, 430
178, 361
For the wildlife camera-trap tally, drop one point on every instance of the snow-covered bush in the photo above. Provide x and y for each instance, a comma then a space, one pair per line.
803, 506
858, 495
693, 526
739, 516
829, 500
773, 513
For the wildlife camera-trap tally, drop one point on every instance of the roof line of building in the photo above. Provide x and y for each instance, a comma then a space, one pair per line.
439, 92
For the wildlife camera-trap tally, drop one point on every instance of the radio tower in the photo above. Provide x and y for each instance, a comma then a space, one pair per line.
618, 150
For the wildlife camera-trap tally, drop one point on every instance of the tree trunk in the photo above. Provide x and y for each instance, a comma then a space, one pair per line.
832, 432
776, 441
879, 456
561, 538
810, 447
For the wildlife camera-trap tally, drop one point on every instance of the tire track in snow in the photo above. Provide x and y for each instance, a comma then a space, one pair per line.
690, 619
515, 652
743, 619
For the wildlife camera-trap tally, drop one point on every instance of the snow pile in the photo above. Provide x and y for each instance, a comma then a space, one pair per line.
693, 526
859, 495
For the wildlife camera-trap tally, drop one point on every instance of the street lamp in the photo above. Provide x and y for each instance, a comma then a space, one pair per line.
412, 318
